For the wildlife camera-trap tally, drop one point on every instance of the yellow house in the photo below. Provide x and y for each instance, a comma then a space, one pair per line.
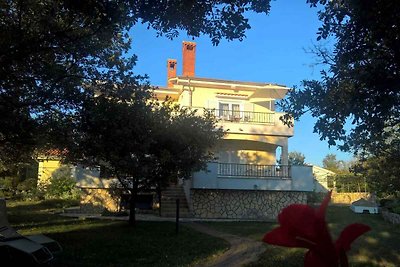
245, 181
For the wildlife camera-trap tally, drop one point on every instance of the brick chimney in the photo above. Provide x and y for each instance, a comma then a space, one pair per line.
189, 58
171, 71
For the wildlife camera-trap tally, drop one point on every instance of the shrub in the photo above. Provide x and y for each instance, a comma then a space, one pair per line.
396, 209
62, 185
27, 190
7, 187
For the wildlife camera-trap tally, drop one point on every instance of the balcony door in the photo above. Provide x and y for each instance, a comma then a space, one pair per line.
230, 111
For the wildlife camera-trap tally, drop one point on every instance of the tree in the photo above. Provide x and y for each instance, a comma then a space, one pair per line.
296, 158
52, 52
331, 163
144, 145
381, 174
361, 83
184, 143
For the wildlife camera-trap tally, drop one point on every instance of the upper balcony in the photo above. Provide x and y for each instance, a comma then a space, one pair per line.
250, 122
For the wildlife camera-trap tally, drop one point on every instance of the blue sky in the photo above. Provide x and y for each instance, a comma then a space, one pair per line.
275, 51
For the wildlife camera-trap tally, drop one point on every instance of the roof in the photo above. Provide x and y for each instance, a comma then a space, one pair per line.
364, 203
52, 154
213, 80
323, 170
260, 91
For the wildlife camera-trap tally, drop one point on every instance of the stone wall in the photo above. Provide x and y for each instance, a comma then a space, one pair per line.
96, 200
391, 217
242, 204
348, 198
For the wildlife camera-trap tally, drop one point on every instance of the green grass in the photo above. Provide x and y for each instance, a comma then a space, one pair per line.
379, 247
112, 243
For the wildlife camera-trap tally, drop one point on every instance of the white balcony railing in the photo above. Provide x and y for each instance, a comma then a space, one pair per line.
244, 116
253, 170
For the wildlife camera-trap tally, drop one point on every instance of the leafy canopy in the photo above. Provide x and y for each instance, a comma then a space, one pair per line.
361, 83
53, 52
296, 158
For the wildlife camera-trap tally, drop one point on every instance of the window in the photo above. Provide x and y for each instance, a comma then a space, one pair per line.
230, 111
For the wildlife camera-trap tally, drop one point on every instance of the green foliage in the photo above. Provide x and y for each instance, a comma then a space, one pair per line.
331, 163
52, 54
396, 209
382, 174
7, 187
62, 185
18, 180
143, 143
296, 158
350, 182
361, 83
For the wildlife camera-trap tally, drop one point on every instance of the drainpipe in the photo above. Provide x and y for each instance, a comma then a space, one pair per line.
191, 90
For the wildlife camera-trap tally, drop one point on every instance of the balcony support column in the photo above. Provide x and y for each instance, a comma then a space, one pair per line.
285, 153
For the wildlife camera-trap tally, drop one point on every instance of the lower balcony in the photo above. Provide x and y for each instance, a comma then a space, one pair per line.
253, 170
254, 177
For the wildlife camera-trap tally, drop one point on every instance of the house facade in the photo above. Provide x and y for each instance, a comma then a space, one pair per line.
245, 181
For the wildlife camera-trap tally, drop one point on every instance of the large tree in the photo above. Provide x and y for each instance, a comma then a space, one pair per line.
361, 83
51, 52
296, 158
381, 174
144, 144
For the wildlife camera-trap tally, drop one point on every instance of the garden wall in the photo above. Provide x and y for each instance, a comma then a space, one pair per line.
242, 204
348, 198
96, 200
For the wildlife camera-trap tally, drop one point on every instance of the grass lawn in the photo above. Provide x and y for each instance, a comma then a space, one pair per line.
379, 247
111, 243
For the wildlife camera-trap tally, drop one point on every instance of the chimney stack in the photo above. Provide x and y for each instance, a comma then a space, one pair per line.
189, 58
171, 71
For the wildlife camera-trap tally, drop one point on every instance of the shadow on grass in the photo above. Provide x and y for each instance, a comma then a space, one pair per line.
148, 244
379, 247
114, 243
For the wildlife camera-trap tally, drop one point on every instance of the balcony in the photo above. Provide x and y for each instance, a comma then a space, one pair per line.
254, 177
244, 116
253, 170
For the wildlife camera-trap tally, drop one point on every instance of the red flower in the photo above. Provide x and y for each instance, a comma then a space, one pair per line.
304, 226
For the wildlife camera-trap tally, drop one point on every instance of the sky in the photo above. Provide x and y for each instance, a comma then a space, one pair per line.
275, 50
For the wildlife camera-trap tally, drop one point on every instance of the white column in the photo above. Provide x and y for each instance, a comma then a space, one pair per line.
285, 153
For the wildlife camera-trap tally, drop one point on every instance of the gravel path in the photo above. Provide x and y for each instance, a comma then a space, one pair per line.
242, 250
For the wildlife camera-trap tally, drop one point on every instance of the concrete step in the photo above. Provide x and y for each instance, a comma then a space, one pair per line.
173, 200
168, 202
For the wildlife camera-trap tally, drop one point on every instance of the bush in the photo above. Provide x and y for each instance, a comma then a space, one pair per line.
27, 190
7, 188
62, 185
396, 209
392, 204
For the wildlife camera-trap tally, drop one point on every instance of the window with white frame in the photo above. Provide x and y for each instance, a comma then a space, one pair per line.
230, 110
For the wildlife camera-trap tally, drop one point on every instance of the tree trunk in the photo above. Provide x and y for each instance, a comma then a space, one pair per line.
132, 206
159, 199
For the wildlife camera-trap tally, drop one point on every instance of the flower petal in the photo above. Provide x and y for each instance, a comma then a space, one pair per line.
281, 237
322, 209
300, 221
349, 234
297, 228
